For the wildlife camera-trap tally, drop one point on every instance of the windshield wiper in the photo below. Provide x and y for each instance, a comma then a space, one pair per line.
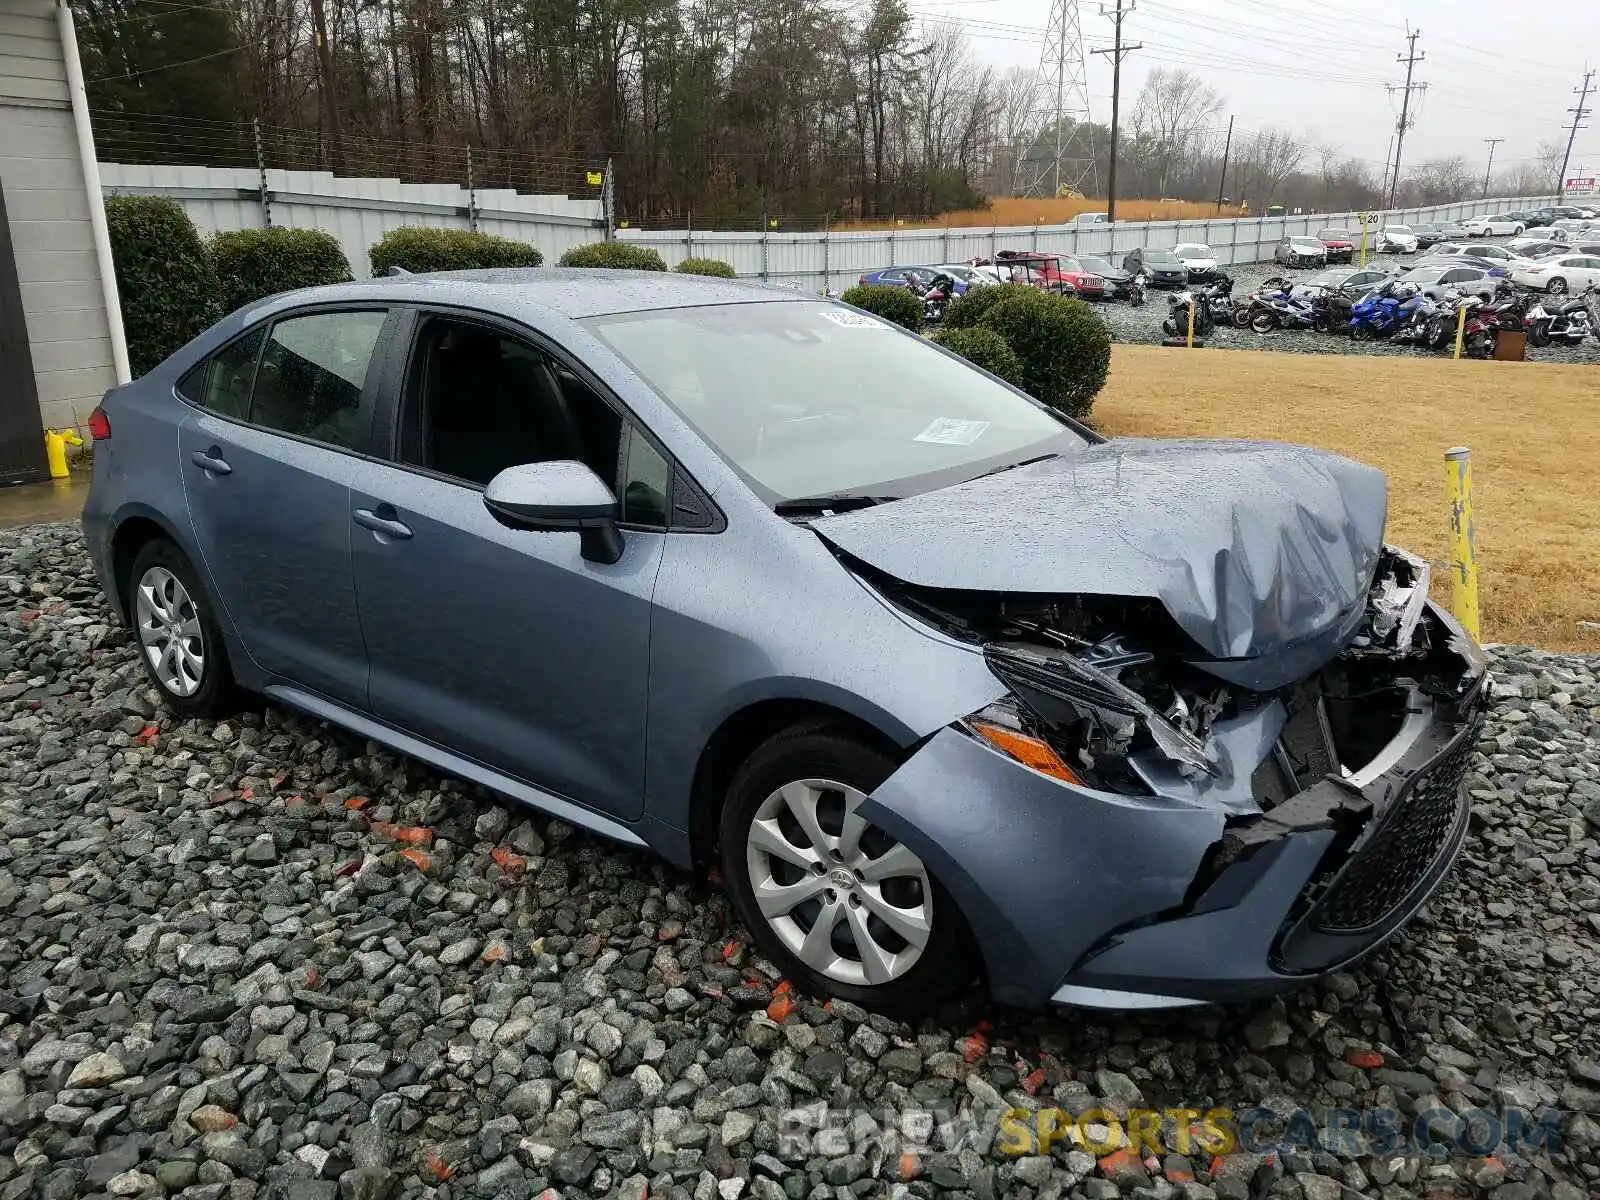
832, 502
1026, 462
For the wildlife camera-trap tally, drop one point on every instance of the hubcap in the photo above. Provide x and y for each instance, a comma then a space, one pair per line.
849, 901
169, 632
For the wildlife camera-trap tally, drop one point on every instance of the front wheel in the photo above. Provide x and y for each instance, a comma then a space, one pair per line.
1557, 286
1241, 317
837, 904
180, 642
1263, 322
1362, 332
1539, 334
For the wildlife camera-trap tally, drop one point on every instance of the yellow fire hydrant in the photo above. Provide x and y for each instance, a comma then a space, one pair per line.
55, 450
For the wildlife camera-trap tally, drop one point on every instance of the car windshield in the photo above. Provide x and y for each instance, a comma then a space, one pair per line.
1397, 229
808, 399
1307, 243
1334, 235
1165, 258
1195, 251
1093, 262
1422, 274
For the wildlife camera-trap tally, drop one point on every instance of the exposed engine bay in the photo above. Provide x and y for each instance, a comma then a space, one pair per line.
1111, 682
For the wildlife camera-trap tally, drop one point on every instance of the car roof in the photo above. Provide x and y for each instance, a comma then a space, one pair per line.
570, 292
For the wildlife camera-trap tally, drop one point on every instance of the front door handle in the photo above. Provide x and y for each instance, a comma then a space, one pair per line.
382, 520
211, 461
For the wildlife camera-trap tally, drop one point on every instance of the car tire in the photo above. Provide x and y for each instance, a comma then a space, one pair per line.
176, 631
813, 778
1557, 286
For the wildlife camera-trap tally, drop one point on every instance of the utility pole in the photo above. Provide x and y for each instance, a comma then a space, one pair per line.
1411, 58
1493, 142
1117, 52
1388, 161
1223, 181
1578, 114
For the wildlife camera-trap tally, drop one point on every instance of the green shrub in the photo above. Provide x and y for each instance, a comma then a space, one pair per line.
983, 348
967, 310
417, 249
1063, 345
705, 266
895, 304
621, 256
164, 276
252, 263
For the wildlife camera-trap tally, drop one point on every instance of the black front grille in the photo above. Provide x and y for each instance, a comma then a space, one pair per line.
1387, 867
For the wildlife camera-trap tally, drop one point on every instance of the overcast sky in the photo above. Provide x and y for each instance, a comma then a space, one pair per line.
1495, 68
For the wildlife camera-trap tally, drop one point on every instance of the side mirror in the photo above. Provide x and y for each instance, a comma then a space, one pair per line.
553, 497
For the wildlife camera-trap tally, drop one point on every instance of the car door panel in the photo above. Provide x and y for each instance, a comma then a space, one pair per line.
505, 645
271, 518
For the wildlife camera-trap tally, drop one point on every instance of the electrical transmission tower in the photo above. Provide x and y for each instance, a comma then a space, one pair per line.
1062, 116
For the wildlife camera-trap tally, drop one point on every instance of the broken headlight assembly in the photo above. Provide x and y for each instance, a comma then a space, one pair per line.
1075, 714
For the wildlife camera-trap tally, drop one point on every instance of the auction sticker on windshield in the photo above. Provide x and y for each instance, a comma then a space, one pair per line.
952, 431
852, 320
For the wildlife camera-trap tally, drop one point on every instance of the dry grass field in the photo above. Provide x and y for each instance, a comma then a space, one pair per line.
1049, 210
1531, 427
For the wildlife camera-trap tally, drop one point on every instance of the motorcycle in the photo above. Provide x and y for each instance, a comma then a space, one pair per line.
1591, 301
1180, 305
1245, 310
1441, 327
1382, 311
1485, 322
1217, 295
935, 298
1415, 329
1565, 321
1135, 289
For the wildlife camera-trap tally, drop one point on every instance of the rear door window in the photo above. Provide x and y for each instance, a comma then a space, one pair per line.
312, 377
222, 383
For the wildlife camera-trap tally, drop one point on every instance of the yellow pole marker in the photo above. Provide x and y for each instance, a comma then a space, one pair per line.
1463, 539
1193, 304
1461, 327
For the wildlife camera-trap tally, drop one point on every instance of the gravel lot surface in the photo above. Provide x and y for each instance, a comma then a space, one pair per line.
1143, 325
259, 958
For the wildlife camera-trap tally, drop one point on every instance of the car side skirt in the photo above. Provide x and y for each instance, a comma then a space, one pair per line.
444, 760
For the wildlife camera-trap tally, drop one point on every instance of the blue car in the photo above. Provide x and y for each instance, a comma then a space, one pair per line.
949, 686
902, 276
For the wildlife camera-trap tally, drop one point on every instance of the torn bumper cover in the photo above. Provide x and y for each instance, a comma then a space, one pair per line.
1272, 865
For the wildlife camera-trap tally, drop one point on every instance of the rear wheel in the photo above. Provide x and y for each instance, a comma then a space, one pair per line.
1539, 334
180, 643
836, 903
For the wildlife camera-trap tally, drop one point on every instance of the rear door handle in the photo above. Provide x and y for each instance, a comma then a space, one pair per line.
211, 461
382, 520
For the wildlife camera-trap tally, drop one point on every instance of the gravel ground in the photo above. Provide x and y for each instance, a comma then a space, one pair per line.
260, 958
1143, 325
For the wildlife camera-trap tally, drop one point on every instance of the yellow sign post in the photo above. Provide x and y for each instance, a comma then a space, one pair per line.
1461, 328
1193, 304
1463, 539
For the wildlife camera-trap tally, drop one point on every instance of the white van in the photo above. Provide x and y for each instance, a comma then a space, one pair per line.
1091, 218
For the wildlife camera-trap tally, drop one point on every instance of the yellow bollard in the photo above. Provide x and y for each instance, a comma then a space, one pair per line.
1463, 544
55, 450
1461, 328
1194, 303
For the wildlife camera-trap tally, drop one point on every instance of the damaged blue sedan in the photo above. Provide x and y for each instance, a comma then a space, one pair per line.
950, 687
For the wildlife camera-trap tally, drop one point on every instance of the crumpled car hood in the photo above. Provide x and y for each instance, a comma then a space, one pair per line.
1253, 547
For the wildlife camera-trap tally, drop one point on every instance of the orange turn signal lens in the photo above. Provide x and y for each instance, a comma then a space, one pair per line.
1027, 750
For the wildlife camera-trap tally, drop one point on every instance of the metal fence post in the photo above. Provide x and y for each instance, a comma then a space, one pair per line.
472, 194
944, 243
608, 202
764, 228
261, 172
688, 234
1463, 548
827, 248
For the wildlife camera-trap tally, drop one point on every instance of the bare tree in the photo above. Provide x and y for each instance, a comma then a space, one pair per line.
1173, 110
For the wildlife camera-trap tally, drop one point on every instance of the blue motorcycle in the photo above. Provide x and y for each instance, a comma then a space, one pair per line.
1382, 311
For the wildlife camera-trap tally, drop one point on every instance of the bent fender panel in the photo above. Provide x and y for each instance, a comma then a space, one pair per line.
1040, 871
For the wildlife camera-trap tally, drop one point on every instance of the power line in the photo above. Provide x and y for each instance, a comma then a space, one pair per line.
1117, 53
188, 62
1411, 58
1578, 114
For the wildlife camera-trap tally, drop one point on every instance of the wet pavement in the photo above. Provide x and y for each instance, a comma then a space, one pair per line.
35, 503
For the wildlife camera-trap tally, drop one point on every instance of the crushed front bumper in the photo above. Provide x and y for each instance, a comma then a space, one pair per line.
1097, 899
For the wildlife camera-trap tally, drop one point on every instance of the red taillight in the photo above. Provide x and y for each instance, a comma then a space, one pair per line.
99, 425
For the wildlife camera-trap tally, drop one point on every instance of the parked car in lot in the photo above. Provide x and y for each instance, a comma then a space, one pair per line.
1164, 268
1495, 226
1300, 252
964, 274
1340, 244
1199, 259
1558, 273
898, 276
1480, 251
1091, 218
1052, 272
1396, 239
754, 578
1348, 278
1434, 281
1117, 281
1449, 231
1427, 235
1524, 243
